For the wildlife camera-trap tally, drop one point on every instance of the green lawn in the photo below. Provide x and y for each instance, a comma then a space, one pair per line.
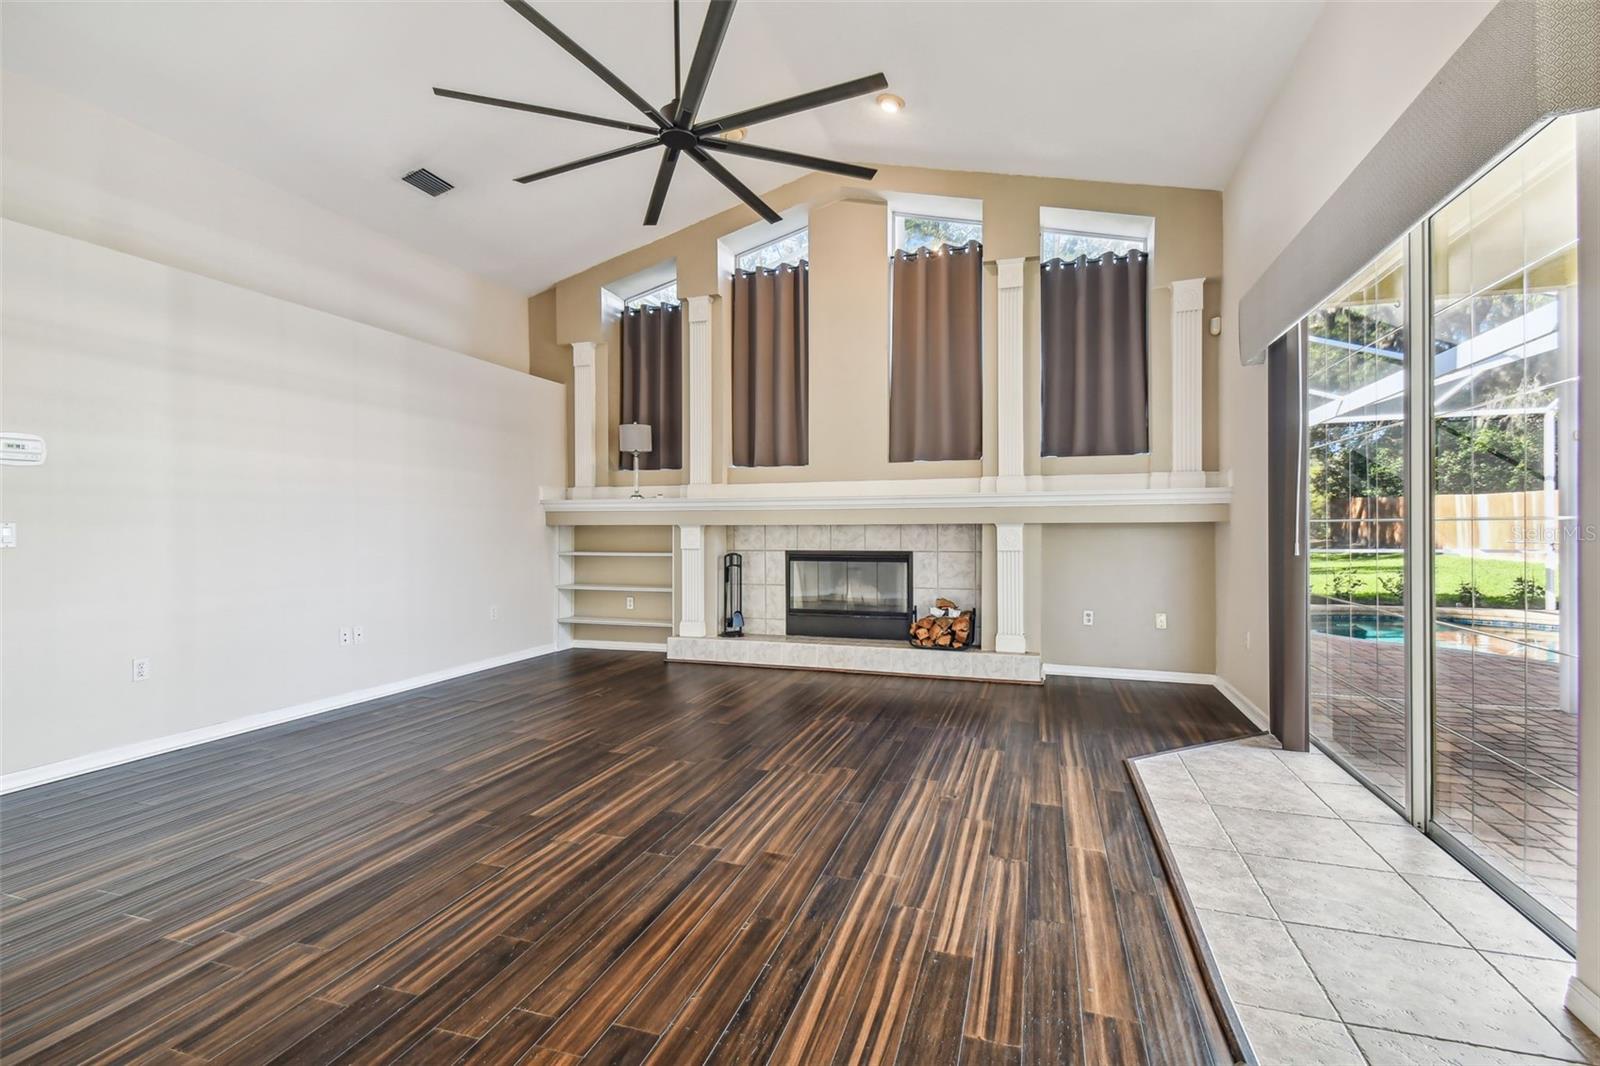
1493, 578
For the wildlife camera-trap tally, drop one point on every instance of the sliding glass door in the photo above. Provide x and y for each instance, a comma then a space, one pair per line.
1505, 371
1355, 346
1441, 445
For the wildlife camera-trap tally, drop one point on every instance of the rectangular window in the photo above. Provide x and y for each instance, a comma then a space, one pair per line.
1070, 244
1505, 376
1355, 380
771, 354
1094, 324
1440, 389
789, 250
656, 297
913, 233
652, 382
936, 339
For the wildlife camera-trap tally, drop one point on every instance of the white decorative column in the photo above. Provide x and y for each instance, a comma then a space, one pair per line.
692, 558
1009, 588
1010, 415
699, 386
583, 403
1188, 389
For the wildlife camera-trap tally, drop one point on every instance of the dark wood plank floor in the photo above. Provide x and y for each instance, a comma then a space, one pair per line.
597, 857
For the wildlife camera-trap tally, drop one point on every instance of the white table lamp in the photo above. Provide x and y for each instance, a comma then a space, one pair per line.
634, 437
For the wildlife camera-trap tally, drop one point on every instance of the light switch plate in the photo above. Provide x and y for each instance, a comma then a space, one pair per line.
8, 534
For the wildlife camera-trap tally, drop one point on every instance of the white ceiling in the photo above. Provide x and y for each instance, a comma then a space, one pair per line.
331, 100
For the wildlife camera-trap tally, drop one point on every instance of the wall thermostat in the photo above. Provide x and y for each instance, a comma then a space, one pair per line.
21, 449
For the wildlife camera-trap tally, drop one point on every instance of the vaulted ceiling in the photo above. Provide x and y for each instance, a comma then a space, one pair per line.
332, 101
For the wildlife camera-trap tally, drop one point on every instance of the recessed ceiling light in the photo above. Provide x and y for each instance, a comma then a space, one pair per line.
735, 135
891, 103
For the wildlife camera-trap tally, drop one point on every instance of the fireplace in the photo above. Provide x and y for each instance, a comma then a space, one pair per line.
848, 594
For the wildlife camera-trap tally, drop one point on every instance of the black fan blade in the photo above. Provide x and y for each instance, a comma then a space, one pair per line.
804, 102
615, 153
600, 70
737, 187
705, 57
553, 112
658, 195
793, 159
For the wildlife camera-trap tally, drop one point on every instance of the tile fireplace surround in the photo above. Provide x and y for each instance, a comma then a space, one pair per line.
944, 562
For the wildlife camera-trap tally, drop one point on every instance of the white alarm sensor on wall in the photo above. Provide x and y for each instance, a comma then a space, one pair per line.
21, 449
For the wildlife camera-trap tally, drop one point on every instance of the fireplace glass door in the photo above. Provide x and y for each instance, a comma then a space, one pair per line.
849, 594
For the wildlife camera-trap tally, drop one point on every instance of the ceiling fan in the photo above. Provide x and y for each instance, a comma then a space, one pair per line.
674, 127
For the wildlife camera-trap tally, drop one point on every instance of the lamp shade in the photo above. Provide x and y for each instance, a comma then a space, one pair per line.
633, 437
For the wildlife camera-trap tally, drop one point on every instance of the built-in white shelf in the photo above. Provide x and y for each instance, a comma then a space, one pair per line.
618, 555
1099, 498
595, 620
614, 588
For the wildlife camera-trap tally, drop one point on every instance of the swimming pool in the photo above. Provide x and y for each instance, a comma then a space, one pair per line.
1451, 630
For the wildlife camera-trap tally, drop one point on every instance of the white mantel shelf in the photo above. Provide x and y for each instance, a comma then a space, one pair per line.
1121, 505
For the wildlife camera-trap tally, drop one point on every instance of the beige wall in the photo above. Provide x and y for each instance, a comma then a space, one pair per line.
546, 358
1125, 575
231, 479
849, 313
79, 171
1379, 56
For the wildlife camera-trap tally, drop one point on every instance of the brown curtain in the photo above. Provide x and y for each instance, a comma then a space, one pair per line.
771, 366
652, 382
936, 355
1092, 345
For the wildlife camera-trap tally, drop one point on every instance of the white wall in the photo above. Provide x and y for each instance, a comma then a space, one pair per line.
232, 477
1359, 69
80, 171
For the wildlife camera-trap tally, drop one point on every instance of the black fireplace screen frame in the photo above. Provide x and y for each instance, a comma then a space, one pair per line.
883, 624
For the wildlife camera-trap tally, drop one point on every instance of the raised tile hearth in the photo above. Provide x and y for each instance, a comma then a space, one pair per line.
863, 657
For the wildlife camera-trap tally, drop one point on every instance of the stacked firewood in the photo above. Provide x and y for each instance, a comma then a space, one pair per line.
945, 628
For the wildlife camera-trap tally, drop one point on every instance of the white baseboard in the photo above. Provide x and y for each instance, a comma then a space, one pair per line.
143, 749
1118, 673
1256, 715
1583, 1004
618, 645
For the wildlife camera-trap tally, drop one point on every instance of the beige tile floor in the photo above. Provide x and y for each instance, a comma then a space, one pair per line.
1343, 935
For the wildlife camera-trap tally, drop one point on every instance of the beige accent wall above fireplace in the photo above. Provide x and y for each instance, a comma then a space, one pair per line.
849, 317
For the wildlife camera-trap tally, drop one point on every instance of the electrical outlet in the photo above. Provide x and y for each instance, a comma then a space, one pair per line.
1161, 619
1088, 618
1247, 640
345, 636
630, 603
141, 669
360, 635
494, 612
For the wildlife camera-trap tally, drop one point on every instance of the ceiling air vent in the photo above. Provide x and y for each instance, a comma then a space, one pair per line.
428, 182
